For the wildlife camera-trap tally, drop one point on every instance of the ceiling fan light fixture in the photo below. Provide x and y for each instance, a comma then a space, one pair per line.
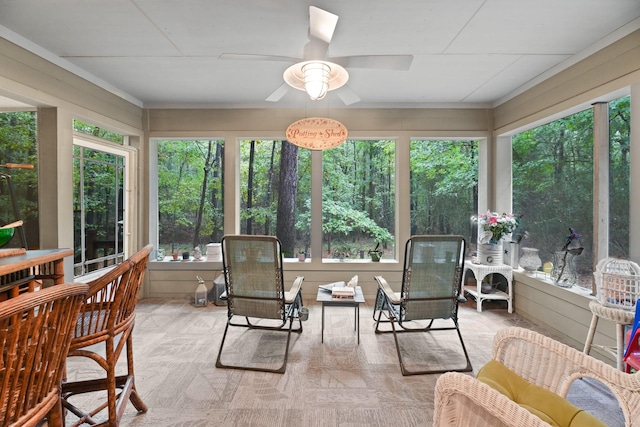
316, 77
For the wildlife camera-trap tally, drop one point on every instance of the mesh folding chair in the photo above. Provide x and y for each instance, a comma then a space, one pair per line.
255, 291
103, 331
431, 289
35, 333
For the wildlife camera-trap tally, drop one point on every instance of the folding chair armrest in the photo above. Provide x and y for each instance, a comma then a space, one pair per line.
392, 296
296, 288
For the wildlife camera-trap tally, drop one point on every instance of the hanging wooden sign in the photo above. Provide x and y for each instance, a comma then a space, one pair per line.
317, 133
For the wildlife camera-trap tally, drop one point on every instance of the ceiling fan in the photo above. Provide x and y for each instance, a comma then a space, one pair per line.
317, 72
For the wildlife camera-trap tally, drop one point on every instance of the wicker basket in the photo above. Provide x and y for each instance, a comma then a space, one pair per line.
617, 283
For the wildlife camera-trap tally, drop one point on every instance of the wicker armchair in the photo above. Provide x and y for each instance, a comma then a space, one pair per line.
107, 318
35, 332
461, 400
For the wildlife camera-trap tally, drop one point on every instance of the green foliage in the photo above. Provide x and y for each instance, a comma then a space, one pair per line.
340, 219
89, 129
444, 180
264, 167
619, 176
18, 145
553, 182
181, 176
359, 193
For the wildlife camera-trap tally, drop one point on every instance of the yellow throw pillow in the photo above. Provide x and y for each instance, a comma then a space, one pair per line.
541, 402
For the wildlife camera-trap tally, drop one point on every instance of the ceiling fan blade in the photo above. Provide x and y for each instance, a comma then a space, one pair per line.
321, 24
256, 57
347, 95
385, 62
279, 93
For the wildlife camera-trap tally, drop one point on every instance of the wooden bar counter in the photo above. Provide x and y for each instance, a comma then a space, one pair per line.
25, 271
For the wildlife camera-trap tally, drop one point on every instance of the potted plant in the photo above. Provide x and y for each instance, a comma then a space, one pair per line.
493, 227
375, 254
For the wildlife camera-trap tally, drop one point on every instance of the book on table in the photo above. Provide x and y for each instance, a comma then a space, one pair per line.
341, 289
343, 292
329, 286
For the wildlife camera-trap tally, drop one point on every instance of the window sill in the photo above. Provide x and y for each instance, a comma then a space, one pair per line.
541, 281
169, 264
356, 261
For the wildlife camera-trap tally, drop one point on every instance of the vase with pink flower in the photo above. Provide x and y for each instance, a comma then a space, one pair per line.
492, 229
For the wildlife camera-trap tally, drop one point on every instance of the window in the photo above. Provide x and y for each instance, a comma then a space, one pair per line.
358, 199
619, 176
275, 193
18, 145
553, 187
444, 187
92, 130
190, 197
99, 204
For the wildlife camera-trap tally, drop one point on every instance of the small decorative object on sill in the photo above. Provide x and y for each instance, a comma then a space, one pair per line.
493, 227
301, 256
511, 254
375, 254
197, 253
200, 299
564, 273
512, 249
530, 260
214, 252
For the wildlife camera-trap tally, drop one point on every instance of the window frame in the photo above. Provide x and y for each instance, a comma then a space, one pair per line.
232, 141
129, 207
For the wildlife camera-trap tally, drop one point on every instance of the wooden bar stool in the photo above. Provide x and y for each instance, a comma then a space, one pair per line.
618, 316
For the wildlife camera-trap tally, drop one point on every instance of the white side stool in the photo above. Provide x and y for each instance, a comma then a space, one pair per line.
618, 316
480, 271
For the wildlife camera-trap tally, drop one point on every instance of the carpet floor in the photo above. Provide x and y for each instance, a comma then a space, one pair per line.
337, 382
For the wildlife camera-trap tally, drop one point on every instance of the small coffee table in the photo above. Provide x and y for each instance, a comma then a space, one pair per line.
328, 301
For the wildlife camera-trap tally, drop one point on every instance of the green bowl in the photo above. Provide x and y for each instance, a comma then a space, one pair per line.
5, 235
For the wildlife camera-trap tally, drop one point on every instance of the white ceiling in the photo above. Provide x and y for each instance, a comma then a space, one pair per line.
165, 53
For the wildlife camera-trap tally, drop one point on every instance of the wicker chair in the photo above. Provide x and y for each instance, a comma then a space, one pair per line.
255, 291
35, 333
107, 317
461, 400
431, 285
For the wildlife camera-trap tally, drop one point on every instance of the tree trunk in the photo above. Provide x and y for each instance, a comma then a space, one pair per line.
203, 194
267, 222
252, 154
285, 227
217, 196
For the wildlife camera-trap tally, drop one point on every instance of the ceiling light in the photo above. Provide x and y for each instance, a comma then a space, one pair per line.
316, 77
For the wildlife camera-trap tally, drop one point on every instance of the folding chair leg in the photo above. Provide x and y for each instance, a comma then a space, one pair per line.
407, 372
378, 306
279, 370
